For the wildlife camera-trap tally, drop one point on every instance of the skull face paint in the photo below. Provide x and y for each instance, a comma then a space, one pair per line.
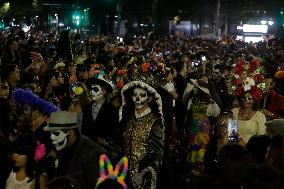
59, 139
140, 98
96, 92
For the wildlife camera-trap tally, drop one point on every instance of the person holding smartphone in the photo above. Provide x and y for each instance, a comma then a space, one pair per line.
247, 84
250, 121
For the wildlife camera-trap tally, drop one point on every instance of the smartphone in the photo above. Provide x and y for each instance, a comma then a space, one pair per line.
232, 126
203, 58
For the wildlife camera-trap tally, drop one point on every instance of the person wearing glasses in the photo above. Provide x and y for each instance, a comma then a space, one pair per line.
250, 121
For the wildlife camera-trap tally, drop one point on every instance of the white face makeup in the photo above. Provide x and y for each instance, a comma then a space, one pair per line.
96, 92
59, 139
140, 98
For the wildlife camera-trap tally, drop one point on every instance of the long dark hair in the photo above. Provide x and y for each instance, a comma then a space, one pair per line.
25, 144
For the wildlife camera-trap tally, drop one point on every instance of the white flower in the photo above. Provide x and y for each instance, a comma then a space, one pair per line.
261, 86
237, 76
234, 87
249, 82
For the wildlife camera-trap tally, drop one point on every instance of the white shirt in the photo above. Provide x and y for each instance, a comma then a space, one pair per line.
96, 109
13, 183
169, 87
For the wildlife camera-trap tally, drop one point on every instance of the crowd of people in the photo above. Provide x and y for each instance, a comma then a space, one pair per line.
170, 112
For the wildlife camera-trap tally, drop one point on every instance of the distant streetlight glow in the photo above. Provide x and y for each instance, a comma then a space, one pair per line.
5, 7
270, 23
263, 22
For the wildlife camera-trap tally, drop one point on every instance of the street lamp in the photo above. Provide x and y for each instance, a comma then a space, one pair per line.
263, 22
270, 23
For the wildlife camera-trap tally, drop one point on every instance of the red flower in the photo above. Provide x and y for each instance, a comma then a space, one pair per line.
161, 66
239, 68
145, 67
258, 78
254, 64
237, 82
256, 94
239, 91
122, 72
96, 66
120, 84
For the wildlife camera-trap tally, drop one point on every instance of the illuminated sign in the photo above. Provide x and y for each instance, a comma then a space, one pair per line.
255, 28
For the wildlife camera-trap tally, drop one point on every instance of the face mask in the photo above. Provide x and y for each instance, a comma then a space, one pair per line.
59, 139
140, 98
96, 92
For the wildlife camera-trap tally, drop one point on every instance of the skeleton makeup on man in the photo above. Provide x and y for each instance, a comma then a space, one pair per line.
59, 139
96, 92
140, 98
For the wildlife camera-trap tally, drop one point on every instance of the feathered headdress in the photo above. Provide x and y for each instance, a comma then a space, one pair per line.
27, 97
247, 76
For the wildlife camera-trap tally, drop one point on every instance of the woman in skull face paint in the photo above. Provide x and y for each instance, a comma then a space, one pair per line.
142, 133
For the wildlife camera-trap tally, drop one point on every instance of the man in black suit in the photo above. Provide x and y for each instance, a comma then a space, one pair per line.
78, 156
100, 118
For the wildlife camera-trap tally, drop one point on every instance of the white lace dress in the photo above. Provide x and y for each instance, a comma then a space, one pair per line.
248, 128
13, 183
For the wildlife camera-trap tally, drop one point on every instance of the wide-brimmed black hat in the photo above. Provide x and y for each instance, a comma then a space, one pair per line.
100, 80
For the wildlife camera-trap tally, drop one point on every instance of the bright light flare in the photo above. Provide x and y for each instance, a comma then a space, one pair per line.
253, 39
247, 28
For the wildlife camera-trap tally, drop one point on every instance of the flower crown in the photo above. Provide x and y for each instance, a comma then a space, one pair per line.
113, 174
247, 76
150, 73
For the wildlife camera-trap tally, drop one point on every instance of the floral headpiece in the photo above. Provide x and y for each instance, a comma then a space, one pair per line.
150, 73
247, 76
77, 89
118, 174
36, 58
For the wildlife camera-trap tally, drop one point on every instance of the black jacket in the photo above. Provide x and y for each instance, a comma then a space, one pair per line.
105, 125
81, 162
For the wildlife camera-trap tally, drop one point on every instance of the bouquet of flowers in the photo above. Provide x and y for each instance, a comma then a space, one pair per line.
247, 76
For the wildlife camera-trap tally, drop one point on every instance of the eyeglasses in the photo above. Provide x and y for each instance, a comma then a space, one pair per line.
249, 99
